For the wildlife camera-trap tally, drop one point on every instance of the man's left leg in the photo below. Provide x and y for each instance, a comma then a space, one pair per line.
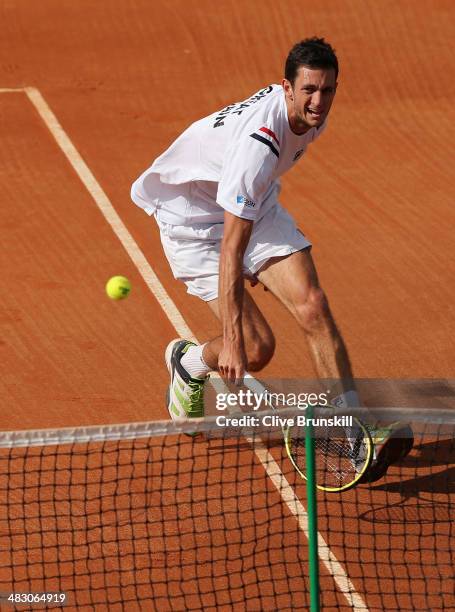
293, 280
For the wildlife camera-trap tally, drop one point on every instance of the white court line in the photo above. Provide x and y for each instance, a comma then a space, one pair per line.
272, 469
109, 213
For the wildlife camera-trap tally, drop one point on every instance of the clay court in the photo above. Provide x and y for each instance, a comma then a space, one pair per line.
90, 94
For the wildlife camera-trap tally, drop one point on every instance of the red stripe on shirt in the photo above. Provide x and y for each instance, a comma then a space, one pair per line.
270, 133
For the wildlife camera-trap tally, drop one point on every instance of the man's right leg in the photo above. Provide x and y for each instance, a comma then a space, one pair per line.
189, 364
259, 338
193, 254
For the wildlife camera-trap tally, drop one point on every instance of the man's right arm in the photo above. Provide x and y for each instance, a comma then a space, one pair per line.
232, 358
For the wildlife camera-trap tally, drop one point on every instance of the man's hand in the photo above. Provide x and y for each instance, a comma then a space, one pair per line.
232, 362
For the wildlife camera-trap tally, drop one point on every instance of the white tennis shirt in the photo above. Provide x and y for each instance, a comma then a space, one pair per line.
232, 160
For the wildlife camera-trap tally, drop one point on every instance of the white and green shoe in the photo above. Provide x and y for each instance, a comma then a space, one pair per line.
185, 395
391, 443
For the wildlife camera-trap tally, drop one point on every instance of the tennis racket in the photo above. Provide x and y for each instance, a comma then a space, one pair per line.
343, 453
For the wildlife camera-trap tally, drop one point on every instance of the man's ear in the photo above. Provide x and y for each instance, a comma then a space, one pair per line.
287, 88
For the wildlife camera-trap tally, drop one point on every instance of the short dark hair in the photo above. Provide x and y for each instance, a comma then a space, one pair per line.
312, 52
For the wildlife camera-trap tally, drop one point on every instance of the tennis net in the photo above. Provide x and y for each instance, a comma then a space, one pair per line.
141, 516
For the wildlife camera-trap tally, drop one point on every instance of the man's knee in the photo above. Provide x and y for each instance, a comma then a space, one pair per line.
312, 309
260, 351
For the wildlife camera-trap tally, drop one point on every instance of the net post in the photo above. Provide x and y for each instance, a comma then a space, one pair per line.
312, 513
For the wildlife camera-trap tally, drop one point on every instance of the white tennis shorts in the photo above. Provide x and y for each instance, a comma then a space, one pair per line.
193, 251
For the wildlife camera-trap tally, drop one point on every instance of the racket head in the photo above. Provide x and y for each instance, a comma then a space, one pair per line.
342, 455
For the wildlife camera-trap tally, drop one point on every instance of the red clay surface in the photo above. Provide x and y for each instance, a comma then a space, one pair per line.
375, 195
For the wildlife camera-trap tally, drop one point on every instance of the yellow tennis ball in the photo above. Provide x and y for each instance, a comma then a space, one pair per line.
118, 288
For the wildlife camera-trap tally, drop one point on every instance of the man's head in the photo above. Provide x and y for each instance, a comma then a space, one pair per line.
310, 83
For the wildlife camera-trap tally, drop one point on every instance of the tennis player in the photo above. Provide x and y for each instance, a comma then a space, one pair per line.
215, 196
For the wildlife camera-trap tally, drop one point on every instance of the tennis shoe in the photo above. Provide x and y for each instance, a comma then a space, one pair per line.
185, 395
391, 443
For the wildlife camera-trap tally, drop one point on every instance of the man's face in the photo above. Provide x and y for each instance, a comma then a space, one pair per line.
310, 99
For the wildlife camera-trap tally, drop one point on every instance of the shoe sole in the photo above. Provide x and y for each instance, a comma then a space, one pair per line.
168, 360
396, 448
168, 353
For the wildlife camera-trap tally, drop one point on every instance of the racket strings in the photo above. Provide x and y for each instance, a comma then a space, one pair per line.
340, 454
335, 461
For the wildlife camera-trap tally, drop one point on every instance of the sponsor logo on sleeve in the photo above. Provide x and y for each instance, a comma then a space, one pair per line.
244, 201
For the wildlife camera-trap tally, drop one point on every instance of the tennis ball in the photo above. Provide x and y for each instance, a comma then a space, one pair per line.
118, 288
